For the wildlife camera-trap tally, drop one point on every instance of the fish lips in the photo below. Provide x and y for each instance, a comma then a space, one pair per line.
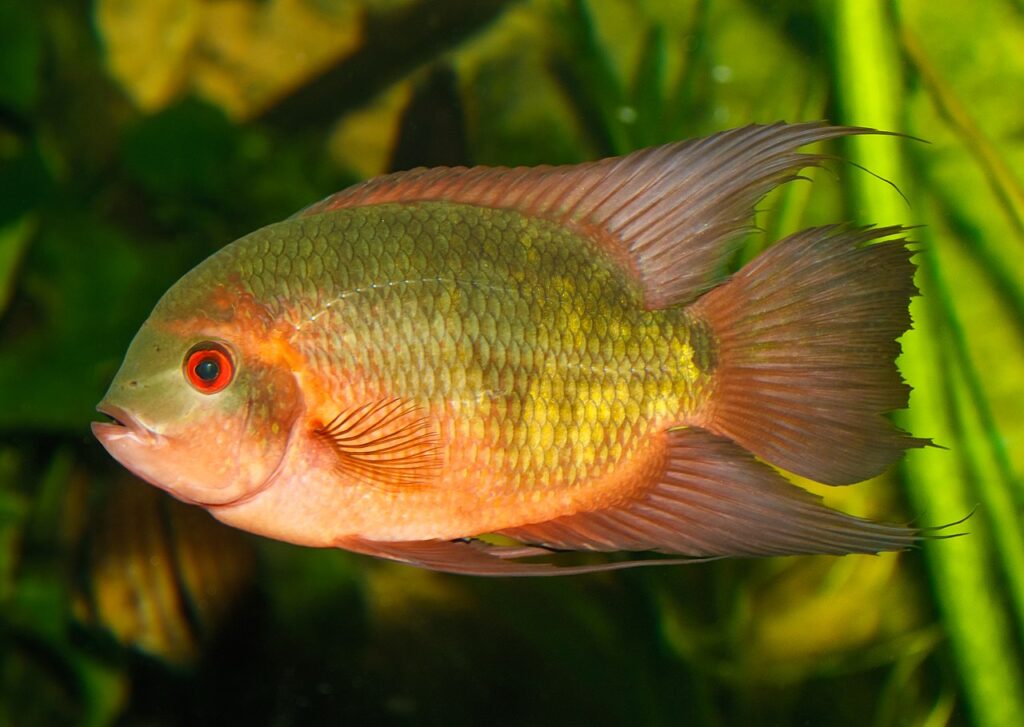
129, 441
124, 426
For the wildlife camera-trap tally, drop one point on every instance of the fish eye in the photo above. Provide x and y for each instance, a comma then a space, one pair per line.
209, 367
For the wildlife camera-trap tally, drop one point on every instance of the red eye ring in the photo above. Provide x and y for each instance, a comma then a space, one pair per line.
209, 367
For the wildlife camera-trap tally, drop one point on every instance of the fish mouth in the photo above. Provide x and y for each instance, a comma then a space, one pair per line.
123, 424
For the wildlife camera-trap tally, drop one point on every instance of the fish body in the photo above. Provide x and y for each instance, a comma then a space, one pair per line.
547, 353
536, 370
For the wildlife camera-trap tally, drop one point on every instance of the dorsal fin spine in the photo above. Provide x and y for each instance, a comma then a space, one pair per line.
672, 214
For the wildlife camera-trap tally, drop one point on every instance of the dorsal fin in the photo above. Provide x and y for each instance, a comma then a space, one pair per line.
670, 214
387, 443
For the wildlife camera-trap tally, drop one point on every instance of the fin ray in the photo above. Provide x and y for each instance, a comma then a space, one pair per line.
670, 215
806, 347
714, 499
388, 443
476, 558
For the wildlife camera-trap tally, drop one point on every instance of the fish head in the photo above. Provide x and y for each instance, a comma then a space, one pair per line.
198, 410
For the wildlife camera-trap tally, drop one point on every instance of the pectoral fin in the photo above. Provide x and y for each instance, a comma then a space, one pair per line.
389, 444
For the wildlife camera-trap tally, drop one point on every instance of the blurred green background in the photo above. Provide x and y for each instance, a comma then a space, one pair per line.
139, 136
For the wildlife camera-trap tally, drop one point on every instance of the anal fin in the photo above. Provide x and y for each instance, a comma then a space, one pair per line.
712, 500
716, 499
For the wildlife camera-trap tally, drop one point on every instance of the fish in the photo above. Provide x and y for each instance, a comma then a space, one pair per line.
160, 577
474, 370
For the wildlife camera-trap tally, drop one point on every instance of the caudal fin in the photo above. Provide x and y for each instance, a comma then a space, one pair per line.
806, 352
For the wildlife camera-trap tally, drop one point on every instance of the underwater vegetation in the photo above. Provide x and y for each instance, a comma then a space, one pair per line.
137, 138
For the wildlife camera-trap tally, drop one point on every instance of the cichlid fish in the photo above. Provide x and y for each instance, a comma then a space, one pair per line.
161, 577
550, 354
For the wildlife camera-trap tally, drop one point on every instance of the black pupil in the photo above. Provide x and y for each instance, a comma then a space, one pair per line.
208, 369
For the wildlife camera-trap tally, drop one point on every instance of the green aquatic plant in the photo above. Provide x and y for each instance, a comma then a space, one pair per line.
979, 579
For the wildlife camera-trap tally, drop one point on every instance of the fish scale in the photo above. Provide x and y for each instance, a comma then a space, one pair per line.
439, 320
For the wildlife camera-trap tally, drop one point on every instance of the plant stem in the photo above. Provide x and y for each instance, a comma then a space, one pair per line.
980, 627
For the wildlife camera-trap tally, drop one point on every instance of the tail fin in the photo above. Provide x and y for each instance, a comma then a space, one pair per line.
806, 352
